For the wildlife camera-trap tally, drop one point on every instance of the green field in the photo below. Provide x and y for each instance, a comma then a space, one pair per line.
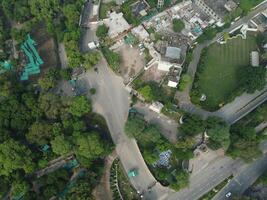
218, 76
246, 5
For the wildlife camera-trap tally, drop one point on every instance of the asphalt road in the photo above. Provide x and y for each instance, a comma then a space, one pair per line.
87, 34
112, 102
246, 178
207, 178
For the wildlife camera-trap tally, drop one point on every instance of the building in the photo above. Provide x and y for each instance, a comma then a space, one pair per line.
156, 107
166, 66
255, 59
117, 24
230, 5
174, 77
202, 5
141, 32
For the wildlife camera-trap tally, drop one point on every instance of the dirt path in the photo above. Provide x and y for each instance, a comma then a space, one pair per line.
102, 191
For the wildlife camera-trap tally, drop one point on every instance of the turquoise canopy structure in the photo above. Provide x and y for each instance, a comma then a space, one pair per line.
5, 66
34, 60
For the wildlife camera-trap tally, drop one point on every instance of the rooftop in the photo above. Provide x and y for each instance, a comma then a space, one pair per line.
117, 24
173, 53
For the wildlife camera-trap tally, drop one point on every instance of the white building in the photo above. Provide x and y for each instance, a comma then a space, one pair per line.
255, 59
165, 66
201, 4
156, 107
117, 24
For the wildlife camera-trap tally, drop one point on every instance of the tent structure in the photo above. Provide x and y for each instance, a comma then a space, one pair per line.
34, 60
5, 66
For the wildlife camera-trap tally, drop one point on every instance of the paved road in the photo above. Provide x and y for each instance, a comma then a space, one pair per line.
87, 34
246, 178
112, 102
241, 106
62, 55
207, 178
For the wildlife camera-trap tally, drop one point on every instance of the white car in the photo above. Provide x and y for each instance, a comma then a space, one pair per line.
228, 194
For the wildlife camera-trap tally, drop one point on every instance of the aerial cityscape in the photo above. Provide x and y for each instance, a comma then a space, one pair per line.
133, 99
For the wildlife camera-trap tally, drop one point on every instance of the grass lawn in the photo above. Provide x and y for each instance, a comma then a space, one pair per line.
246, 5
218, 77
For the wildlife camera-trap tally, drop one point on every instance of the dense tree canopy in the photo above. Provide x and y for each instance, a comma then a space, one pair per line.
14, 156
102, 31
178, 25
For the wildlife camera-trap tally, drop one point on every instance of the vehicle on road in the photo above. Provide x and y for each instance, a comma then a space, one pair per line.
133, 172
228, 194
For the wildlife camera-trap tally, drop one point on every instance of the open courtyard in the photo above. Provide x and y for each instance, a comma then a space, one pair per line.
218, 75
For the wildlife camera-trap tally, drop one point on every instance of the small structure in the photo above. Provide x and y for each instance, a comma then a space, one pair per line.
93, 45
160, 3
174, 77
117, 24
156, 107
34, 60
164, 159
230, 5
5, 66
139, 8
255, 59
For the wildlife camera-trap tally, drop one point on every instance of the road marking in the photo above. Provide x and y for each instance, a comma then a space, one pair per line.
237, 181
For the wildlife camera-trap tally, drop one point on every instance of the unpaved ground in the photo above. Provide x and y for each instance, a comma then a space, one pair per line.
46, 47
102, 191
153, 74
131, 61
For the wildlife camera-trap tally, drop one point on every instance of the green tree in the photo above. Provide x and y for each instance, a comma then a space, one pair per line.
79, 106
253, 78
19, 188
40, 133
60, 145
220, 134
151, 134
182, 179
14, 156
178, 25
192, 125
112, 58
91, 59
89, 146
65, 74
147, 93
134, 126
51, 105
150, 156
102, 31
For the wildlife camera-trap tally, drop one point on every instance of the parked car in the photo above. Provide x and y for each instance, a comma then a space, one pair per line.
228, 194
